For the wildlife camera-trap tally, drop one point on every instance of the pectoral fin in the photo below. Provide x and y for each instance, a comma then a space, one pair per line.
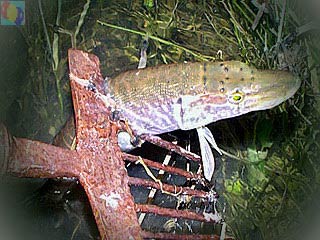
206, 155
206, 137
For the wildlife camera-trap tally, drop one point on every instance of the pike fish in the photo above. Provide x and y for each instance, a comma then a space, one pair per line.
188, 96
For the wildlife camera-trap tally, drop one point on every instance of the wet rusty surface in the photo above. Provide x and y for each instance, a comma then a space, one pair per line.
39, 160
148, 208
172, 147
169, 236
160, 166
27, 158
178, 190
103, 176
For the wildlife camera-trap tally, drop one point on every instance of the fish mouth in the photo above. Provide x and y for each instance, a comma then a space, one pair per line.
274, 87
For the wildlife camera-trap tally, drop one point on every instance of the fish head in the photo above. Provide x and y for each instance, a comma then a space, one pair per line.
246, 89
232, 89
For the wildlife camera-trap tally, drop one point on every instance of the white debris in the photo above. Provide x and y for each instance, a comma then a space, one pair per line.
111, 199
212, 217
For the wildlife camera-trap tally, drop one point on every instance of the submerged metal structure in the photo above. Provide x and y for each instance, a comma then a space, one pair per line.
99, 164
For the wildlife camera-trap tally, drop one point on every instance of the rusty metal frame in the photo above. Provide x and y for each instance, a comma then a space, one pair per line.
98, 162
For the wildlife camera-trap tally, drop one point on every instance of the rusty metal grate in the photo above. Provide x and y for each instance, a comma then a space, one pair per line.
99, 165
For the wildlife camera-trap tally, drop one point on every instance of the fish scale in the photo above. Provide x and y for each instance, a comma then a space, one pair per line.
185, 96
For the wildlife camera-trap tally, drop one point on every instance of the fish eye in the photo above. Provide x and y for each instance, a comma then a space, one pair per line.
236, 97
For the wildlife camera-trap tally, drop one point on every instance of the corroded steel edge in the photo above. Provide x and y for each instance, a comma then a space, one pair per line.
167, 187
160, 166
171, 147
169, 236
35, 159
103, 176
